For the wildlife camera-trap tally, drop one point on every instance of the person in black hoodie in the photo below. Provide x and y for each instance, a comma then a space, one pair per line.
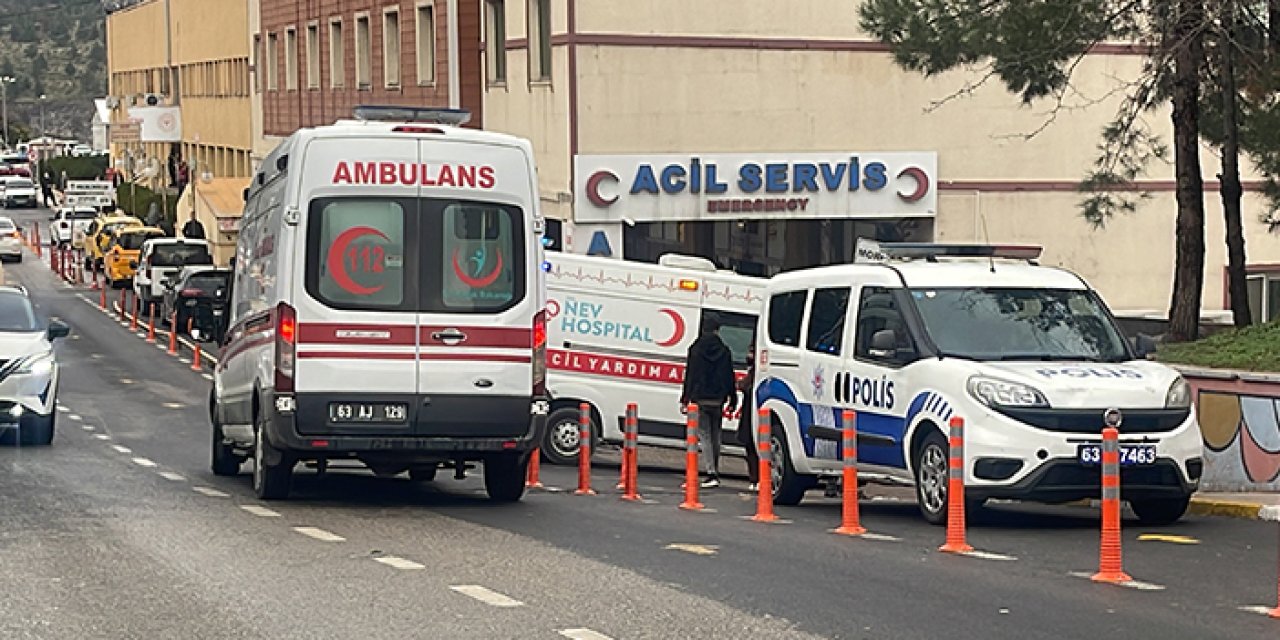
709, 382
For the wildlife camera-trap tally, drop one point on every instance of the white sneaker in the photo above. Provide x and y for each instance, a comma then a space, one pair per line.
710, 483
753, 487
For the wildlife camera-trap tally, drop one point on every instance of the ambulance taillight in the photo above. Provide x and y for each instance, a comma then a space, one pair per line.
286, 347
540, 353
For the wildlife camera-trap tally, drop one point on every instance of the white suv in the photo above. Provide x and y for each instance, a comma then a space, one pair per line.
161, 259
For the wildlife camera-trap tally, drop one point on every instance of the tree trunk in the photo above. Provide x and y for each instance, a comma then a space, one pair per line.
1231, 190
1273, 27
1188, 269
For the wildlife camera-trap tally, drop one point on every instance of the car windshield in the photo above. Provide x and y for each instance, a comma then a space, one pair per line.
133, 241
19, 184
16, 313
87, 214
176, 255
1020, 324
7, 226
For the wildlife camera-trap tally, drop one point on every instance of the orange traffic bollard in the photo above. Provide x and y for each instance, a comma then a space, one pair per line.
133, 322
630, 442
691, 459
173, 334
955, 492
102, 293
53, 259
850, 522
195, 359
39, 250
584, 451
1110, 565
531, 479
151, 323
764, 494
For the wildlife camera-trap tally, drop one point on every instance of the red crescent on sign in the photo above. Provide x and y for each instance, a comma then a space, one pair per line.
922, 183
482, 281
678, 334
338, 270
593, 188
553, 309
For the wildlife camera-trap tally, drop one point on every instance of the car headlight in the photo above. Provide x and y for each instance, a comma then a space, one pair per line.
1002, 393
1179, 395
39, 365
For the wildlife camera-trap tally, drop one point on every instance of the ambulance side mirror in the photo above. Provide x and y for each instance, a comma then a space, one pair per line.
883, 344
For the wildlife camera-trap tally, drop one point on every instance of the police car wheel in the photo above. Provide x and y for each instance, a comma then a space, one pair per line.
1161, 511
560, 446
931, 477
788, 485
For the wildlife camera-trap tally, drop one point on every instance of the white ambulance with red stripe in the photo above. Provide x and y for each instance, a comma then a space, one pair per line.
387, 305
618, 332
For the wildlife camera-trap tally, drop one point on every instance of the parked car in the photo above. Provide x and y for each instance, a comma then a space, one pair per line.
121, 257
10, 240
18, 192
28, 370
71, 225
197, 294
98, 236
162, 259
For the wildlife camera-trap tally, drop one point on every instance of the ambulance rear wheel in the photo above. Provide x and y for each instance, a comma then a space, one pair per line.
504, 477
789, 486
560, 446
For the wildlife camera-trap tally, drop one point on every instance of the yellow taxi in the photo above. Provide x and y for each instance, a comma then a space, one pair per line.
120, 260
99, 234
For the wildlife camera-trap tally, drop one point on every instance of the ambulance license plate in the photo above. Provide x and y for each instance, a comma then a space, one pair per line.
368, 412
1130, 454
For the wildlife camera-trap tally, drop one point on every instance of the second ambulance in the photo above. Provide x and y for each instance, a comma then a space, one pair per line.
1028, 356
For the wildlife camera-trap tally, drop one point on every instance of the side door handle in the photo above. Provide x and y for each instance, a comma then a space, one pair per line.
449, 336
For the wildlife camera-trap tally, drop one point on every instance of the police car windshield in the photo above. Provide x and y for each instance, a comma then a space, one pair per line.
1020, 324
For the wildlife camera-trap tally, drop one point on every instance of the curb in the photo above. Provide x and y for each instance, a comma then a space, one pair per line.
1216, 507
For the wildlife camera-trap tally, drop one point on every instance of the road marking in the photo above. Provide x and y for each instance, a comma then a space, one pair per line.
87, 427
1259, 609
75, 417
319, 534
584, 634
695, 549
126, 380
96, 356
399, 563
987, 555
212, 493
102, 436
63, 409
1162, 537
184, 360
880, 536
169, 475
143, 462
260, 511
120, 449
1132, 584
486, 596
207, 377
1269, 512
174, 405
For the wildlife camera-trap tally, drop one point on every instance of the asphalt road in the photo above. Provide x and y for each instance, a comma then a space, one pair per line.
120, 531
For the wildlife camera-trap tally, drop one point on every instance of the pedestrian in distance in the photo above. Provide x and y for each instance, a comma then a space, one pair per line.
193, 229
746, 430
46, 187
709, 383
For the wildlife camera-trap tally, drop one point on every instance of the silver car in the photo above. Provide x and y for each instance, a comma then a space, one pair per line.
10, 241
28, 370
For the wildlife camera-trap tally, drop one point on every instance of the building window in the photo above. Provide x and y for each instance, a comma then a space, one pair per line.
337, 59
496, 41
257, 61
364, 52
291, 59
540, 40
391, 48
426, 44
1263, 287
272, 61
313, 56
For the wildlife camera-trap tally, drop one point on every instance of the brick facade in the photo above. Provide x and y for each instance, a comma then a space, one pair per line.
286, 110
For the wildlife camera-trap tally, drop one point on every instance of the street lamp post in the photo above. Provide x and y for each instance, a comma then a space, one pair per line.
5, 81
43, 131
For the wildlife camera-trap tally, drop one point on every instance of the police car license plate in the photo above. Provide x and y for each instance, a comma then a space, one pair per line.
1130, 454
368, 412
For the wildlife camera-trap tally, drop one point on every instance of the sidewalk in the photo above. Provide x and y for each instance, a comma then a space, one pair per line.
1253, 506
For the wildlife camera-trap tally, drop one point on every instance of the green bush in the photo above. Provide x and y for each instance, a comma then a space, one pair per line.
136, 201
84, 168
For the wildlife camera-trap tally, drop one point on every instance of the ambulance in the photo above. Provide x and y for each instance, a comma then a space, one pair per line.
912, 336
386, 306
618, 332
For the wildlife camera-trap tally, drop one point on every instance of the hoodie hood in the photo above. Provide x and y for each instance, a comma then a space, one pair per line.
710, 348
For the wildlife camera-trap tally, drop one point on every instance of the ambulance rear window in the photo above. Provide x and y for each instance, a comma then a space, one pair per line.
479, 262
356, 258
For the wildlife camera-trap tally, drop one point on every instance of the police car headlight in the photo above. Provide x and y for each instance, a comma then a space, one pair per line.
1179, 395
1002, 393
39, 365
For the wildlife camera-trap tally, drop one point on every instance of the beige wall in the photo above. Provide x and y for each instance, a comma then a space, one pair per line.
770, 18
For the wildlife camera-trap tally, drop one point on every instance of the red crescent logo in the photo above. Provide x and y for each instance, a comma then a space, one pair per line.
553, 309
338, 270
593, 188
481, 281
678, 334
922, 184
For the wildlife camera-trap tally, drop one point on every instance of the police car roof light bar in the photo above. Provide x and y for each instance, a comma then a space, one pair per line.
392, 113
934, 251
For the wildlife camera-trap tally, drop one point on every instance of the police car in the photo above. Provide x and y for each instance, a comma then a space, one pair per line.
619, 331
386, 305
911, 336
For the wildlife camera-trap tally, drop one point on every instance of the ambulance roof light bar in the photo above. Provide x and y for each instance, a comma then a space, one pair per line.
423, 115
931, 252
